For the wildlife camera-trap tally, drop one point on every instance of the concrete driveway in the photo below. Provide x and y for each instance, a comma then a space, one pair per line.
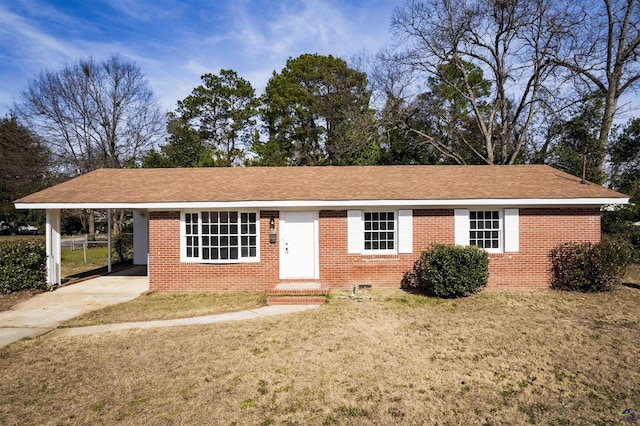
46, 311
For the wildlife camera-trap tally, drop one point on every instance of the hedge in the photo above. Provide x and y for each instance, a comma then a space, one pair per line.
22, 265
587, 267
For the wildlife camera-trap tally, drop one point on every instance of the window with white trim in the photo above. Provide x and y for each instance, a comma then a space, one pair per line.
221, 236
379, 231
485, 229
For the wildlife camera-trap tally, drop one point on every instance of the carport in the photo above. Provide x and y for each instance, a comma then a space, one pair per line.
53, 236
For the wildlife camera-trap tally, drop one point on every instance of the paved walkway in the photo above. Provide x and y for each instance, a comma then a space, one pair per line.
265, 311
46, 311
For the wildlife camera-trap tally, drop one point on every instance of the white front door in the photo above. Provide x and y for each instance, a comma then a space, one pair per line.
298, 245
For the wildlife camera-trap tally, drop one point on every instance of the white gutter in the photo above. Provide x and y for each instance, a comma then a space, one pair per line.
337, 204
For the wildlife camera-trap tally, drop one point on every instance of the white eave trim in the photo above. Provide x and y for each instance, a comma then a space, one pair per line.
279, 204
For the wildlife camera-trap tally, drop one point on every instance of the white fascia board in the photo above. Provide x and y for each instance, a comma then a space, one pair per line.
280, 204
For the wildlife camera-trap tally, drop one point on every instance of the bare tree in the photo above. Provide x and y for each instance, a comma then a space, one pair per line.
509, 41
602, 52
93, 114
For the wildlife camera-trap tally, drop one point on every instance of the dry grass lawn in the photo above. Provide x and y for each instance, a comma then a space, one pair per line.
162, 306
494, 358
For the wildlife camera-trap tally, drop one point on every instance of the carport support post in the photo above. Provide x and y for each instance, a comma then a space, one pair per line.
53, 247
109, 240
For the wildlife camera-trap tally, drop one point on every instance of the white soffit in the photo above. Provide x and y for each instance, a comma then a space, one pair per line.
339, 204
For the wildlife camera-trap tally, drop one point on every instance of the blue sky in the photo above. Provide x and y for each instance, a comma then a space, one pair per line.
174, 42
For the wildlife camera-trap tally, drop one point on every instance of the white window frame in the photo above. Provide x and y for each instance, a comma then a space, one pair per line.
509, 241
403, 237
395, 233
500, 248
199, 259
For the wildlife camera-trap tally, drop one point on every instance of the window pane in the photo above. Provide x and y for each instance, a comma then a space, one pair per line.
205, 253
233, 229
224, 253
233, 217
379, 221
252, 252
205, 216
252, 228
214, 254
189, 252
233, 253
205, 229
244, 251
233, 240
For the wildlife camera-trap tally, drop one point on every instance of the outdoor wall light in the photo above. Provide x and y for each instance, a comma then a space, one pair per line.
272, 230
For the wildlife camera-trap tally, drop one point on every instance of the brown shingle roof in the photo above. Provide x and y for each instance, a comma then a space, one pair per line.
319, 183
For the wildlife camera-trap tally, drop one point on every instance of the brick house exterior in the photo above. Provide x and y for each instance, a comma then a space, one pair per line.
336, 227
540, 229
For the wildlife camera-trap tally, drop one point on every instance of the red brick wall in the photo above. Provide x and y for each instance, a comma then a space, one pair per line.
540, 230
338, 269
167, 273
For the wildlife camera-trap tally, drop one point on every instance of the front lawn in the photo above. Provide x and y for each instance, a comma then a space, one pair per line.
495, 358
164, 306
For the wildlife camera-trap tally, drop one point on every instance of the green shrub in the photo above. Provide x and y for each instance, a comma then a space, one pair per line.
22, 265
449, 271
589, 267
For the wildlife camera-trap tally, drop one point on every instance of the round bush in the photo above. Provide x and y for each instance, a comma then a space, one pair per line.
449, 271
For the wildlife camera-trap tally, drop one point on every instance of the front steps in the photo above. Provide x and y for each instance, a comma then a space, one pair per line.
297, 293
